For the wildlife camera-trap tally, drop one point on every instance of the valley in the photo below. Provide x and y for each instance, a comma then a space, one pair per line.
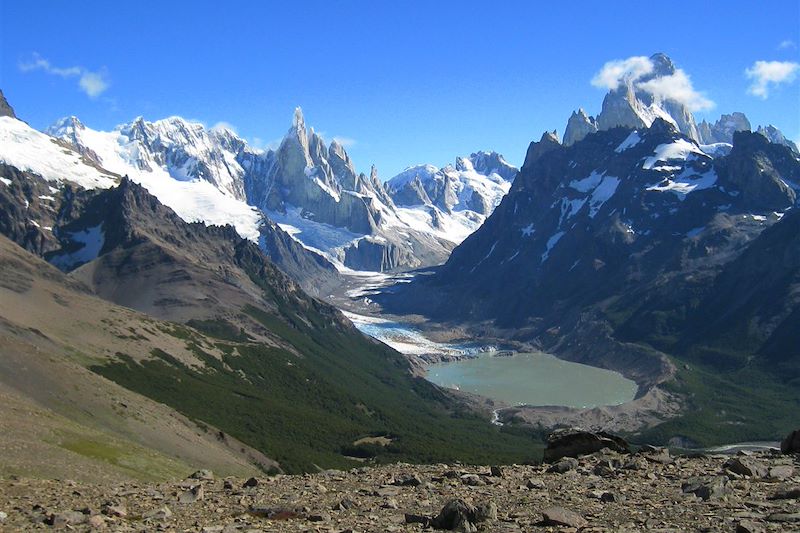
326, 317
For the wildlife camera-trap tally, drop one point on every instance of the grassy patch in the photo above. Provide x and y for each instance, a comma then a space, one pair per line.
306, 411
138, 462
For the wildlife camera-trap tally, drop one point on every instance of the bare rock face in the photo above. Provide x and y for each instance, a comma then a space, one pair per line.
579, 126
776, 136
5, 108
723, 129
631, 106
547, 143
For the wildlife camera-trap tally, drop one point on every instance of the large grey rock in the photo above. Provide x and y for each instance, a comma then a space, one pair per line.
707, 488
747, 466
558, 516
791, 444
576, 442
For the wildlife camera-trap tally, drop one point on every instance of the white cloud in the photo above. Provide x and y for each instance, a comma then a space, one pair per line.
787, 44
677, 87
92, 83
346, 142
615, 73
222, 125
767, 74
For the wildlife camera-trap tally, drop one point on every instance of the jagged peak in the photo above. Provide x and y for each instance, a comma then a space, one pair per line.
547, 143
550, 137
298, 121
662, 65
64, 124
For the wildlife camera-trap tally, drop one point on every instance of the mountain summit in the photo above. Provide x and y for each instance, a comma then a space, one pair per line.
642, 95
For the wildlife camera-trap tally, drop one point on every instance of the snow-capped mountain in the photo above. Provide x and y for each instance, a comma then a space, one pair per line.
308, 187
454, 200
643, 215
191, 170
631, 105
476, 183
46, 180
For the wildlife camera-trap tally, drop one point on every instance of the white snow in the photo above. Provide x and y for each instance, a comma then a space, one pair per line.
604, 191
551, 242
454, 227
46, 197
588, 183
322, 238
630, 141
92, 240
716, 149
686, 182
192, 199
680, 149
491, 251
602, 188
6, 181
27, 149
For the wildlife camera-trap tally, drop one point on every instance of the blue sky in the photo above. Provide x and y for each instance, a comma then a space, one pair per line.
402, 82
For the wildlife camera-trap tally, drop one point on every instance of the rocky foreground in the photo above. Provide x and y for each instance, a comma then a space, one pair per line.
604, 491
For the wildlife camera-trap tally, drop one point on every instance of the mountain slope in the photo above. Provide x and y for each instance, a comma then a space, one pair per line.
618, 240
59, 418
252, 341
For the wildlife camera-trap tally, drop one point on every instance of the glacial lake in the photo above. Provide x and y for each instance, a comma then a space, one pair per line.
534, 379
524, 378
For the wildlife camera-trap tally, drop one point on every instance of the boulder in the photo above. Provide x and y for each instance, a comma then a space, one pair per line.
746, 466
203, 475
192, 495
456, 515
564, 465
576, 442
791, 444
558, 516
707, 488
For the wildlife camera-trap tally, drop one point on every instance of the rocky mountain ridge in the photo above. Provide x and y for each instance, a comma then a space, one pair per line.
620, 251
309, 188
632, 105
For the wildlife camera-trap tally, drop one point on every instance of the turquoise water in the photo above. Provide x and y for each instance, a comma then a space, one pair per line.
534, 379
